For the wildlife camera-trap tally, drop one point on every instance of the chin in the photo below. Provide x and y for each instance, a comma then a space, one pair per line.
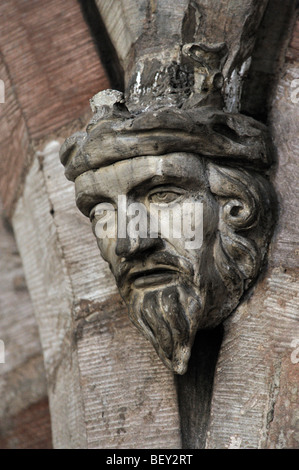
169, 317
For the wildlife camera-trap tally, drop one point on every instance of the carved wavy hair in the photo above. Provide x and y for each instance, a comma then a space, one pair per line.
246, 199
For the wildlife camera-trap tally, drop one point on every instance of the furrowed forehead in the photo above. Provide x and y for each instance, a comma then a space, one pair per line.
122, 177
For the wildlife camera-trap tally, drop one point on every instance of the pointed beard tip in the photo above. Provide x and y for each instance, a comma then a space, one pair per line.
180, 369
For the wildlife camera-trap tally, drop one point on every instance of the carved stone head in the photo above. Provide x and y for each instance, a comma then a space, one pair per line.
201, 168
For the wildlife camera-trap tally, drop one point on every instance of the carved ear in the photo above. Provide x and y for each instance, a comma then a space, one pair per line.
245, 222
237, 194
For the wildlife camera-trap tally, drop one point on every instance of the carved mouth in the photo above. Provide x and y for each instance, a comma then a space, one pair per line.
154, 276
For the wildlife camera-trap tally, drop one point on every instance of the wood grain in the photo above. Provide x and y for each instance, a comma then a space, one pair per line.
99, 398
255, 401
107, 388
22, 375
148, 35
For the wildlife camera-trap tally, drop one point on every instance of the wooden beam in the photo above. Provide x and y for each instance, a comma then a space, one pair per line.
255, 399
98, 397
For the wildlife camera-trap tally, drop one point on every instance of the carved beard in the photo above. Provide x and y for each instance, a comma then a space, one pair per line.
169, 316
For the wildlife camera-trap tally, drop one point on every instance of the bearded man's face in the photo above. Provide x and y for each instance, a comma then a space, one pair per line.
167, 280
175, 280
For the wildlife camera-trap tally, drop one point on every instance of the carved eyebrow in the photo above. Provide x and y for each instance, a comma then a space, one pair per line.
153, 179
166, 187
157, 181
166, 180
96, 194
94, 186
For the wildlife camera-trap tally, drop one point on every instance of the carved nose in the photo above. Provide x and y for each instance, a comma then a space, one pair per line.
128, 247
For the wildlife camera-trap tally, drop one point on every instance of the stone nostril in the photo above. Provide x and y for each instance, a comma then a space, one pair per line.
123, 247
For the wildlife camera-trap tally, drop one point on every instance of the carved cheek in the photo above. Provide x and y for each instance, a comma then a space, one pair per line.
107, 248
105, 242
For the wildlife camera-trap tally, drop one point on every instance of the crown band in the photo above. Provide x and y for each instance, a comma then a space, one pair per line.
207, 132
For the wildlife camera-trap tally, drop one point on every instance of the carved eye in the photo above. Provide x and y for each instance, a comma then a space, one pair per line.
165, 196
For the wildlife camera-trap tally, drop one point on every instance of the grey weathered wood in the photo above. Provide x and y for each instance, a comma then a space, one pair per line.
255, 398
50, 289
251, 373
22, 376
100, 399
107, 389
148, 36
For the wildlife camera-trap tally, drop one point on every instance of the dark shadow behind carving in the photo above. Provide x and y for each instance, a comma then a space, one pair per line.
268, 58
104, 46
196, 386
